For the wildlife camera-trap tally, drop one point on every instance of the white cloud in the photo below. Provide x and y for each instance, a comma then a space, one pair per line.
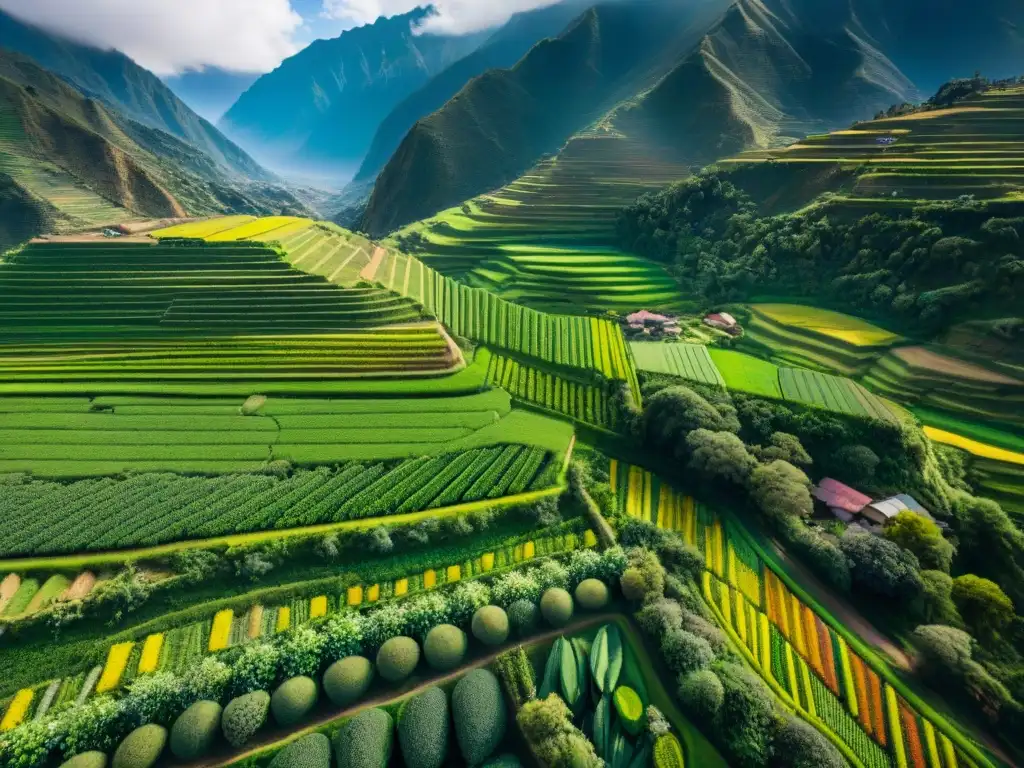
171, 36
453, 17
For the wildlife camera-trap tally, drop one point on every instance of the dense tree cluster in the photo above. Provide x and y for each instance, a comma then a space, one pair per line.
925, 268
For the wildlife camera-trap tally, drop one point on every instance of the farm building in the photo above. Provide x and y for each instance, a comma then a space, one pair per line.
652, 324
842, 501
646, 319
881, 512
723, 321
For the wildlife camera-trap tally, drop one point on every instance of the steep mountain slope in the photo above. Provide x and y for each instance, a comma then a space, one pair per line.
507, 46
774, 70
503, 121
68, 162
119, 82
324, 103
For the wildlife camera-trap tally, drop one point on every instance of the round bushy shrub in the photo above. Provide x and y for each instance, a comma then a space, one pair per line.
592, 594
397, 658
685, 652
423, 730
523, 617
346, 681
490, 625
312, 751
244, 716
556, 607
92, 759
799, 745
478, 709
365, 741
444, 647
503, 761
702, 693
293, 700
195, 730
141, 748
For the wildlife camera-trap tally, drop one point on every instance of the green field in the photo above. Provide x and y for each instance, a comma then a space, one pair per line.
832, 393
688, 361
747, 374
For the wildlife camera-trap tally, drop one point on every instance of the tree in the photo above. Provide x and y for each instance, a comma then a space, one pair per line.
674, 412
936, 603
786, 447
747, 716
984, 606
781, 490
943, 649
921, 536
880, 566
858, 462
720, 456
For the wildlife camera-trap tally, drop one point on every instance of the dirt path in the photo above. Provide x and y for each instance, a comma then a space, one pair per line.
842, 610
277, 737
369, 272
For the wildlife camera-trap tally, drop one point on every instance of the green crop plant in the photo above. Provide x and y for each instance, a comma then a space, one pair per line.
668, 752
629, 708
606, 658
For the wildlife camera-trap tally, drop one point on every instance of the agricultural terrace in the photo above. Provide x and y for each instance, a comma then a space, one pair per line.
932, 379
812, 663
974, 148
594, 347
817, 338
546, 240
687, 361
76, 437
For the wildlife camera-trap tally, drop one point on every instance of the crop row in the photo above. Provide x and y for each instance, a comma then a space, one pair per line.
149, 509
587, 403
791, 644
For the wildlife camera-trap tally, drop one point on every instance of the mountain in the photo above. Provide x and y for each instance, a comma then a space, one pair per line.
507, 46
212, 91
117, 81
69, 162
504, 120
323, 105
773, 70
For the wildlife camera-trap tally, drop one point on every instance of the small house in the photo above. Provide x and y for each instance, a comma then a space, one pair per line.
842, 501
648, 319
881, 512
723, 321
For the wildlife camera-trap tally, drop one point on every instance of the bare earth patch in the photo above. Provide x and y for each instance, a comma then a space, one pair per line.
8, 587
80, 587
919, 357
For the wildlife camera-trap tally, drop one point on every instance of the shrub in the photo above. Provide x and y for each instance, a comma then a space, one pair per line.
194, 732
244, 716
366, 740
799, 745
523, 617
423, 730
141, 748
490, 625
397, 658
556, 607
293, 700
311, 751
644, 579
478, 709
91, 759
348, 680
592, 594
444, 647
702, 693
547, 726
684, 652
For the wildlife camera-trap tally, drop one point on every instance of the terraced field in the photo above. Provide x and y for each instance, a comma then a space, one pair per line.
974, 148
546, 240
817, 338
78, 437
687, 361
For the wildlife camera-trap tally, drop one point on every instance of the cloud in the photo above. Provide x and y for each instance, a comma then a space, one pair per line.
453, 17
172, 36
